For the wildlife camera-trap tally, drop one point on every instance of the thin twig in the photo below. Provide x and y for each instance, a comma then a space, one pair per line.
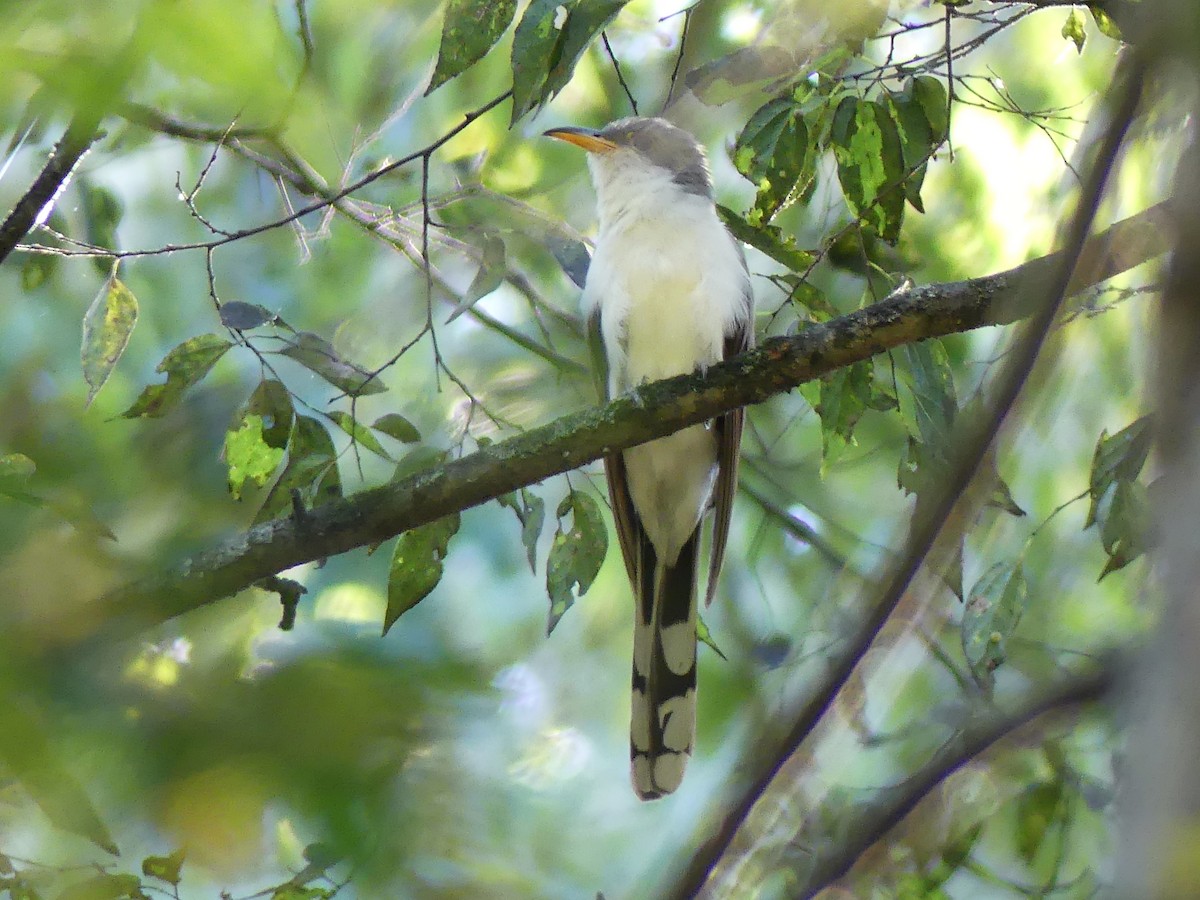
620, 75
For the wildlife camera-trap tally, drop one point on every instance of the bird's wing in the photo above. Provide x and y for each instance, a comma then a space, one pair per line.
625, 518
729, 441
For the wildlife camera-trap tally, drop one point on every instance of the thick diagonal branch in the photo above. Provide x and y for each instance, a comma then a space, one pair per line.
777, 365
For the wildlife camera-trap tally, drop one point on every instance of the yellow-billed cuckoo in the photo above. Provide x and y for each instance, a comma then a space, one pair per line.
667, 293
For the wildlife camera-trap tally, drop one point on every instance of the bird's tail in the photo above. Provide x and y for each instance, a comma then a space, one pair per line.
663, 721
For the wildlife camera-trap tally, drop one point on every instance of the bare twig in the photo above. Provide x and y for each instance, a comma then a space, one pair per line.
620, 75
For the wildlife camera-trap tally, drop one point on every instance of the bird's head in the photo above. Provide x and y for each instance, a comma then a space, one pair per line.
637, 153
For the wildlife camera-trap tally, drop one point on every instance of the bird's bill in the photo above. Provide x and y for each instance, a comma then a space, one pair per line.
586, 138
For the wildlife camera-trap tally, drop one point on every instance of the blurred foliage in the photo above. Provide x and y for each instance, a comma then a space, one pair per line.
309, 355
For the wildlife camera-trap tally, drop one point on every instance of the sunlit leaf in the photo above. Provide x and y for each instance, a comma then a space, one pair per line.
575, 554
993, 610
15, 470
396, 426
469, 30
317, 355
704, 636
1073, 29
417, 565
248, 456
164, 868
272, 402
107, 327
1108, 27
185, 365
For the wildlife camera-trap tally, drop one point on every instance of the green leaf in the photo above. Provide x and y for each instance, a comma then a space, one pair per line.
1038, 808
272, 402
768, 239
105, 886
311, 469
1073, 30
37, 269
704, 636
318, 356
359, 432
107, 327
916, 139
396, 426
417, 565
492, 269
585, 20
15, 470
575, 554
185, 365
772, 151
248, 456
994, 607
26, 752
870, 163
931, 94
530, 510
535, 50
1105, 23
926, 373
1118, 457
102, 211
164, 868
840, 399
470, 29
1125, 525
243, 316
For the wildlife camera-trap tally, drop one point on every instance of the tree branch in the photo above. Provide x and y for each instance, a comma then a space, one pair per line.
654, 410
79, 136
871, 822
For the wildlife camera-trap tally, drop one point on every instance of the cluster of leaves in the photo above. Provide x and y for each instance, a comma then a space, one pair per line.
1120, 503
547, 43
882, 147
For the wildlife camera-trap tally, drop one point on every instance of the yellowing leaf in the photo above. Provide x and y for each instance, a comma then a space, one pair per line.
107, 327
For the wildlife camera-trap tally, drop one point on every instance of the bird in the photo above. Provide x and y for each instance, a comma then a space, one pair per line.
667, 293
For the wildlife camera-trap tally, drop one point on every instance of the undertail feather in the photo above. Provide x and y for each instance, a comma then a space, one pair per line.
663, 721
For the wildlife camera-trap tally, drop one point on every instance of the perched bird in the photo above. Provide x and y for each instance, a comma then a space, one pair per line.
667, 293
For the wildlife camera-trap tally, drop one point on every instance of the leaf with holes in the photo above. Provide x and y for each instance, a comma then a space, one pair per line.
184, 366
107, 327
994, 607
471, 28
575, 554
311, 470
248, 456
273, 403
417, 566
